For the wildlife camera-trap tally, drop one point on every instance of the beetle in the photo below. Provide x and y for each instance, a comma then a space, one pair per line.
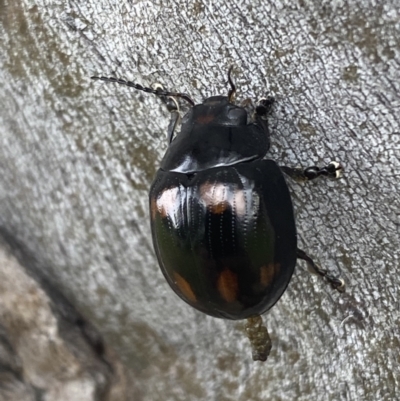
221, 214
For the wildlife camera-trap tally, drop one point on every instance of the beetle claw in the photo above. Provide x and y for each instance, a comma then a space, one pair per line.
337, 283
264, 106
335, 169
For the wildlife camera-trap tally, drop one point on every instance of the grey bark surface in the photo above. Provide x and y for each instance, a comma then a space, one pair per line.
77, 158
47, 351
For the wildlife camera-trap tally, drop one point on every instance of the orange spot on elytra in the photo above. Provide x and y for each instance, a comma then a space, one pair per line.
168, 201
184, 287
214, 197
219, 207
227, 285
268, 272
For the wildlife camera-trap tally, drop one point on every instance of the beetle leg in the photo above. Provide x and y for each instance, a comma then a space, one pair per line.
259, 338
173, 108
173, 122
336, 282
332, 170
263, 108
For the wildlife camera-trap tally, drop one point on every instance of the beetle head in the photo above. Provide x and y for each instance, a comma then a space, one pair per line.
217, 110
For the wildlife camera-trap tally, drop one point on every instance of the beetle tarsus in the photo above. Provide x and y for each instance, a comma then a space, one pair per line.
259, 338
332, 170
336, 283
169, 101
264, 106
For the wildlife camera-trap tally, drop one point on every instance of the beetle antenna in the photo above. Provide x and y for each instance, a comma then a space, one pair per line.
232, 91
158, 92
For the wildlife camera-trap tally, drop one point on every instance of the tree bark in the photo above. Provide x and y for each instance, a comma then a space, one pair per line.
77, 158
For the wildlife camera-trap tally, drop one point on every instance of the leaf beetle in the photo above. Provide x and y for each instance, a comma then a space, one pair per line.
221, 214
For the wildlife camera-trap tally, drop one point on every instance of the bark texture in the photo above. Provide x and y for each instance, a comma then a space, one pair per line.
77, 158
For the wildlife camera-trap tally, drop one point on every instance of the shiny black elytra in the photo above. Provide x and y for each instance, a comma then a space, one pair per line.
221, 215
